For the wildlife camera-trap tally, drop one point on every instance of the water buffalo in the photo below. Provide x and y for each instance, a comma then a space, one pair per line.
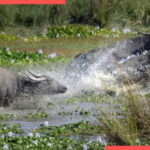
12, 85
130, 57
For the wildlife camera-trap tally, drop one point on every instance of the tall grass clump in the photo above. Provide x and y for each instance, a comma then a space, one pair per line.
31, 15
130, 12
131, 125
6, 17
40, 15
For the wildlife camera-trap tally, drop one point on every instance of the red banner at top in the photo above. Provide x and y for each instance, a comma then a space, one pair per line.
32, 1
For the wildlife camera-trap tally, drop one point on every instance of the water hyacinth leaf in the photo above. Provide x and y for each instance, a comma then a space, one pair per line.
7, 37
13, 57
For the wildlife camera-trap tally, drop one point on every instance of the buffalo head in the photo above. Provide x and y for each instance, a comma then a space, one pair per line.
12, 85
42, 85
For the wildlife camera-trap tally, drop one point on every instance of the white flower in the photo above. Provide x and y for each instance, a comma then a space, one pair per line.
10, 134
103, 142
99, 139
5, 146
78, 34
126, 30
98, 27
27, 57
7, 49
46, 123
49, 144
57, 35
84, 147
2, 32
40, 51
92, 32
35, 142
138, 141
37, 134
113, 29
52, 55
69, 147
12, 61
2, 136
30, 134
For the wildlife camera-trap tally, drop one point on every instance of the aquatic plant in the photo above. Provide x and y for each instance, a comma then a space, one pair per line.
7, 37
83, 31
9, 57
49, 137
28, 115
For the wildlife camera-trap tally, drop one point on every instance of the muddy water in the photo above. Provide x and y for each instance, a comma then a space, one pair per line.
59, 111
55, 115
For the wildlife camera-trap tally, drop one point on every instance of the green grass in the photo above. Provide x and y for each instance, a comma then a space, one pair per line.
60, 46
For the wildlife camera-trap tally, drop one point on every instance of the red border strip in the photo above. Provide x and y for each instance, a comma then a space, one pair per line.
32, 1
127, 148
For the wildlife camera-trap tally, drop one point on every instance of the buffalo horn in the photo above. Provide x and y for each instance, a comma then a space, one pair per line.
37, 78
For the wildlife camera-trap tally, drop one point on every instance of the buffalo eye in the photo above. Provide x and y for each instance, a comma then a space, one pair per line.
50, 81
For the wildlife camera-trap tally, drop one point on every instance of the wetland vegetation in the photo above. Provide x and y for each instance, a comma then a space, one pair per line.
131, 129
43, 35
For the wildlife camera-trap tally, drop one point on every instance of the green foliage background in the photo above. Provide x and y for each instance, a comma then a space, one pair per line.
91, 12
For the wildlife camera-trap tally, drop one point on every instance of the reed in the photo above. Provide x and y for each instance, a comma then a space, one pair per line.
129, 124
